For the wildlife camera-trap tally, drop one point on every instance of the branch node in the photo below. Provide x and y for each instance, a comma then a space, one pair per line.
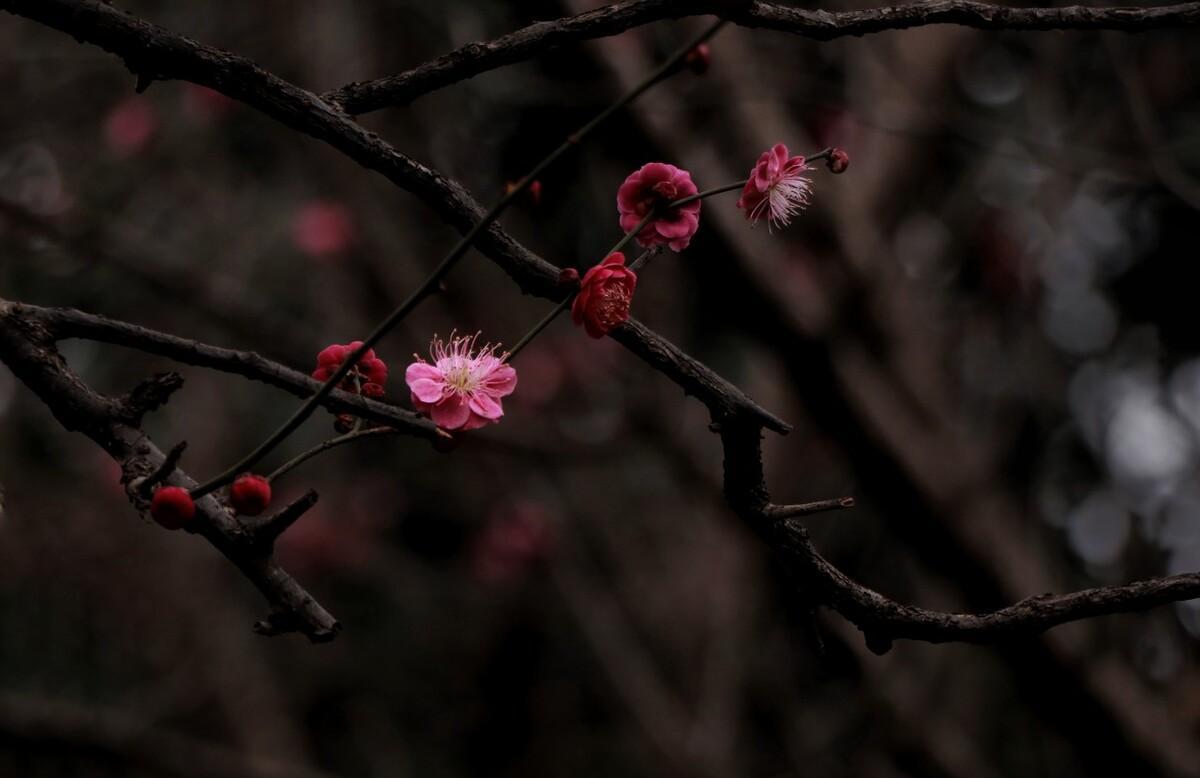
268, 530
281, 622
149, 395
145, 485
779, 512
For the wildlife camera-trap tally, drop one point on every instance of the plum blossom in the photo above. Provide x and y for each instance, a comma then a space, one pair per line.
366, 377
605, 294
462, 388
655, 185
776, 189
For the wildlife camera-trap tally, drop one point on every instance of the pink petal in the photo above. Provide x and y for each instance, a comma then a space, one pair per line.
629, 221
451, 413
485, 406
475, 421
501, 382
652, 173
422, 370
427, 390
676, 229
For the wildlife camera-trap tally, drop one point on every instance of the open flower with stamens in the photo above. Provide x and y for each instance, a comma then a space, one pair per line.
462, 388
605, 294
776, 190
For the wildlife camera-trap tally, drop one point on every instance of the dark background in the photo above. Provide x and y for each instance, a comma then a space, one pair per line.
984, 331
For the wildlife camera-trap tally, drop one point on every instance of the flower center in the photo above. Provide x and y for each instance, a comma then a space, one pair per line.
612, 305
459, 376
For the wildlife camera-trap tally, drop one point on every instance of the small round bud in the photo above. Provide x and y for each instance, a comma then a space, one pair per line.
372, 390
172, 507
838, 161
698, 59
344, 423
250, 494
535, 192
568, 276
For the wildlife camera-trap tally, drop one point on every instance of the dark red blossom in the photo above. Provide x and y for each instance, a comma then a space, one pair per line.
366, 377
605, 294
650, 189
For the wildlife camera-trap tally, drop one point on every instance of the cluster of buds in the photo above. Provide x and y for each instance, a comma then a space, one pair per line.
173, 507
366, 377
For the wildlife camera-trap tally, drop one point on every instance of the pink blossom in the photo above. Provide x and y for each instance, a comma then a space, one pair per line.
776, 189
461, 389
130, 126
201, 102
515, 538
323, 228
655, 185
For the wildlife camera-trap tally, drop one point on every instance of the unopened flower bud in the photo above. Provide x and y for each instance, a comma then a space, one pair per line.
838, 161
250, 494
172, 507
699, 58
568, 276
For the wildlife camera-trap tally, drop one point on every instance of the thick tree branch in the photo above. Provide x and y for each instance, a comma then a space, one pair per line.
883, 620
65, 323
27, 348
476, 58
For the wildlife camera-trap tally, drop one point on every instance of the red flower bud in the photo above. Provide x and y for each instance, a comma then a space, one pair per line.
535, 192
568, 276
699, 58
605, 294
250, 494
344, 423
372, 390
172, 507
838, 161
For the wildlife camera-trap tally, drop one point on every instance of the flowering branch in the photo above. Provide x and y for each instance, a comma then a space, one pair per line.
27, 347
67, 323
528, 42
443, 267
153, 53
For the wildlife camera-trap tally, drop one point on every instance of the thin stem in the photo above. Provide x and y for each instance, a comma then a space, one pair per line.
709, 193
349, 437
448, 262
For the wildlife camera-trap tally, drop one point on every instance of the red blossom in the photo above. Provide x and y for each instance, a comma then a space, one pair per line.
776, 189
838, 161
323, 229
699, 58
652, 187
130, 126
370, 370
605, 294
